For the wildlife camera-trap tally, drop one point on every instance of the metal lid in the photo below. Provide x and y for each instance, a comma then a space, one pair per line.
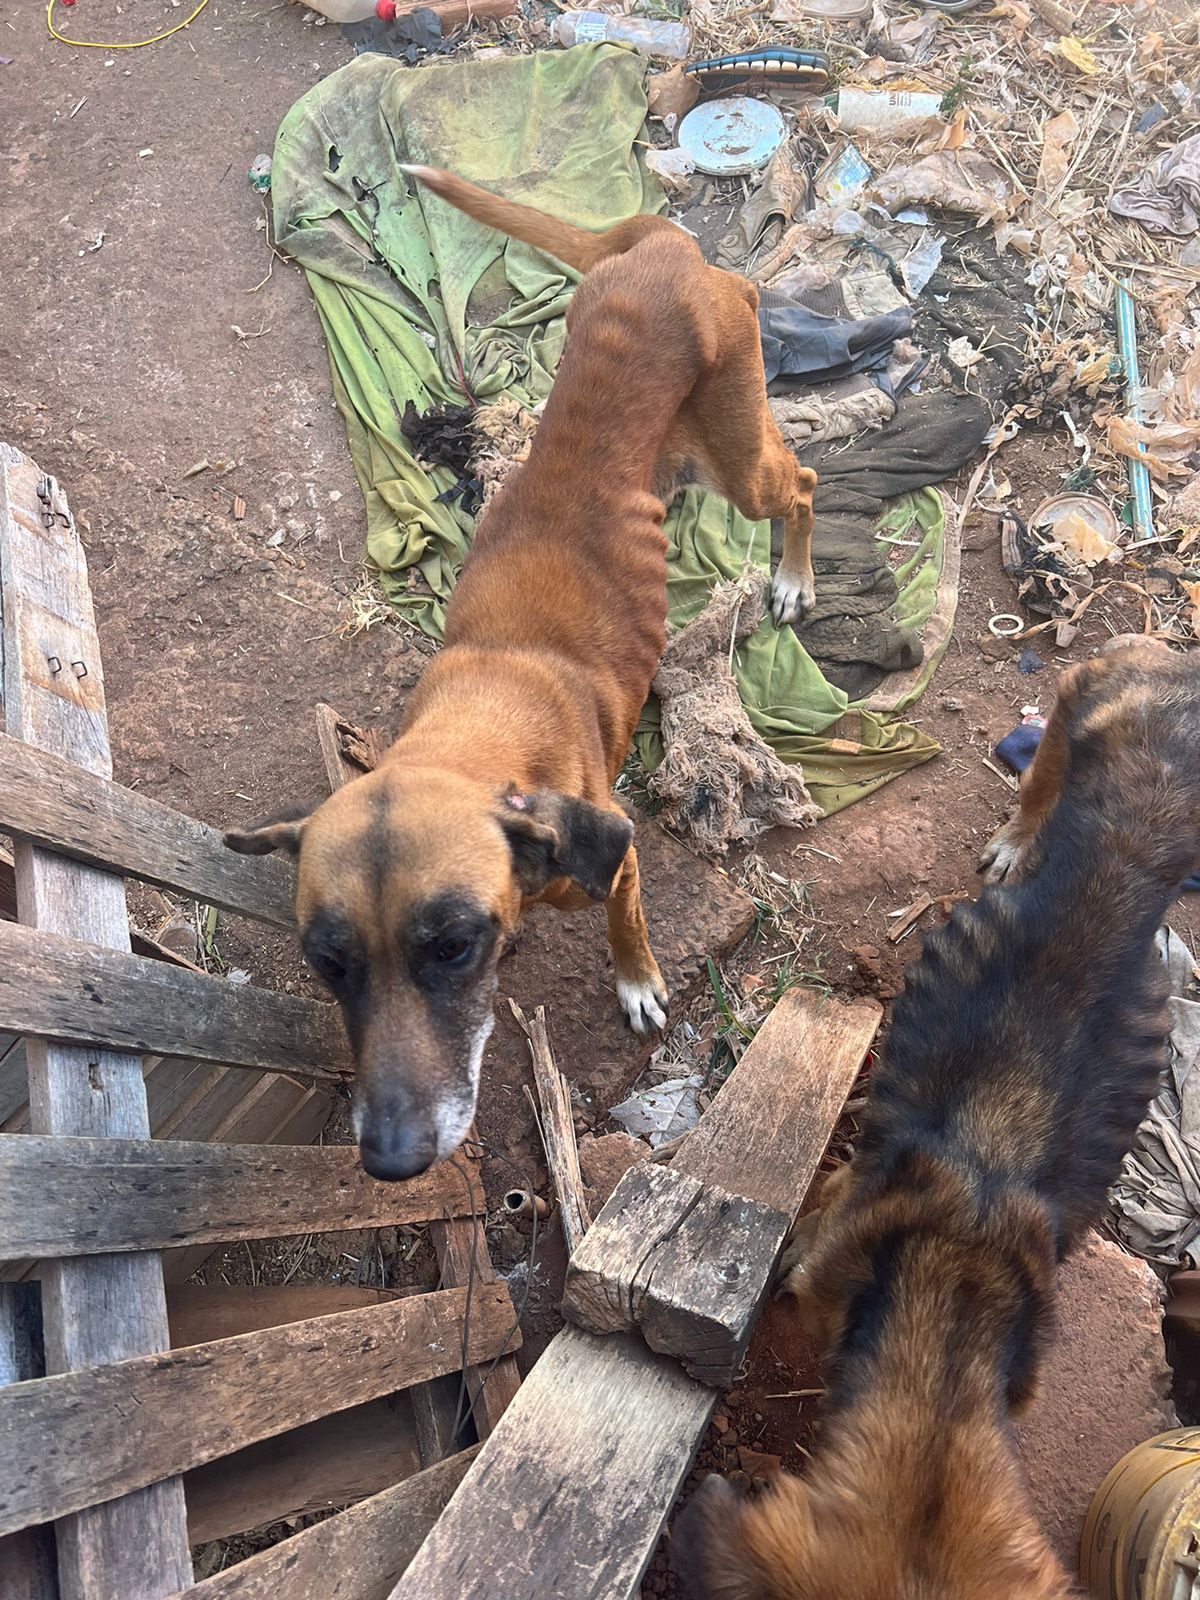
727, 138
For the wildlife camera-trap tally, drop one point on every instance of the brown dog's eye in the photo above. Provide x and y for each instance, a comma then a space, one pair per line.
454, 950
328, 964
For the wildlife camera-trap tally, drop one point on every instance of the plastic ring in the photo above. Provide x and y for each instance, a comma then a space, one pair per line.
1005, 626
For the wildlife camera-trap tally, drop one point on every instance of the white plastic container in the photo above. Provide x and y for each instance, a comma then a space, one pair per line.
883, 108
670, 40
343, 11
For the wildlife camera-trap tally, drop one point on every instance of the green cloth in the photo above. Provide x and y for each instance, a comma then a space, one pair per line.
417, 300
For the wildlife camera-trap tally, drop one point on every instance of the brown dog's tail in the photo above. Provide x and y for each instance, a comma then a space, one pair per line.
562, 240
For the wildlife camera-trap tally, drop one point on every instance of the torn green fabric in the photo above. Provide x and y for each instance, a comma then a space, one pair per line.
418, 302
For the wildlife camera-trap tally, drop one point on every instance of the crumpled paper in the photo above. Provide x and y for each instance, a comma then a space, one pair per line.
953, 180
662, 1112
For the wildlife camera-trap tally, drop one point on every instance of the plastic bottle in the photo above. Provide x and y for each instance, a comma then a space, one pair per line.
343, 11
671, 40
883, 108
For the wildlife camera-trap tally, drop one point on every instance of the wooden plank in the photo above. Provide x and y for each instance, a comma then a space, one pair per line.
556, 1125
220, 1100
456, 1244
67, 1440
110, 1308
140, 943
70, 991
569, 1495
347, 751
54, 803
70, 1197
28, 1566
320, 1467
14, 1080
357, 1555
201, 1312
765, 1133
685, 1263
438, 1417
685, 1254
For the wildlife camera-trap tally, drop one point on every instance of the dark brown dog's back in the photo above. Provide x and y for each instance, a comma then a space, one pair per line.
1040, 1070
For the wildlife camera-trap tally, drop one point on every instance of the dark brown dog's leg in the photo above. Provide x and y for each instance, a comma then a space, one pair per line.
640, 987
1008, 848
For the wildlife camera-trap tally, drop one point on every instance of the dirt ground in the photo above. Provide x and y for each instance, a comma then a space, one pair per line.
145, 327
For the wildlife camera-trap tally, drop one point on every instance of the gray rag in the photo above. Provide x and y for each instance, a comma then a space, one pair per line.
798, 342
1166, 198
1154, 1206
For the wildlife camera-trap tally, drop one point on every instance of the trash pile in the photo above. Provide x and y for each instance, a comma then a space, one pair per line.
916, 150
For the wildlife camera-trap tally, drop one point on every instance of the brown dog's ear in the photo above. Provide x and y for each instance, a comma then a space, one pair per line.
282, 831
558, 836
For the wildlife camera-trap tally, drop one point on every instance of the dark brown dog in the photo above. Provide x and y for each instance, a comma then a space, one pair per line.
498, 791
1022, 1054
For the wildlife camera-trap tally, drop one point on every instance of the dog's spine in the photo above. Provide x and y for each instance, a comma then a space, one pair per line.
574, 246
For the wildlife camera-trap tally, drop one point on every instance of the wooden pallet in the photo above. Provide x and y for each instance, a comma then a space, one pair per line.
143, 1391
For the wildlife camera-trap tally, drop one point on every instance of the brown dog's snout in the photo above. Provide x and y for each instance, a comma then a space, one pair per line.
397, 1145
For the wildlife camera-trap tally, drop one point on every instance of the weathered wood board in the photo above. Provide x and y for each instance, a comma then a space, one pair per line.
108, 1308
568, 1496
74, 992
70, 1441
69, 1197
357, 1555
53, 802
685, 1254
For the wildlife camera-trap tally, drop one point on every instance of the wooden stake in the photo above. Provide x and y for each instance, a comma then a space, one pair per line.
557, 1127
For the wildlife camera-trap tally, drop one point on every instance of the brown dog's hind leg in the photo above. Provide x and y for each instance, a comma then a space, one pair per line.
640, 986
726, 430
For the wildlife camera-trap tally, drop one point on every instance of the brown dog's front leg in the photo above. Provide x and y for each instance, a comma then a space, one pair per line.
640, 987
793, 588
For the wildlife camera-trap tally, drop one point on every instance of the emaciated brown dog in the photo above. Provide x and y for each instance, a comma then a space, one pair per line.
498, 791
1022, 1054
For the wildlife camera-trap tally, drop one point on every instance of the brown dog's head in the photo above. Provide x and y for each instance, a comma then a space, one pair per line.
409, 882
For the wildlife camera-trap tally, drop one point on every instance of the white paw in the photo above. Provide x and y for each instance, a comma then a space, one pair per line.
791, 598
644, 1003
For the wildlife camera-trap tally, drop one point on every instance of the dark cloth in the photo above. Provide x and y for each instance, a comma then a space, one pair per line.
798, 342
851, 633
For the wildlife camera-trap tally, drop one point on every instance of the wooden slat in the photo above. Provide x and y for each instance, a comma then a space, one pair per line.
357, 1555
69, 1441
568, 1496
52, 987
684, 1255
221, 1099
54, 803
456, 1243
202, 1312
320, 1467
70, 1197
110, 1308
765, 1133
